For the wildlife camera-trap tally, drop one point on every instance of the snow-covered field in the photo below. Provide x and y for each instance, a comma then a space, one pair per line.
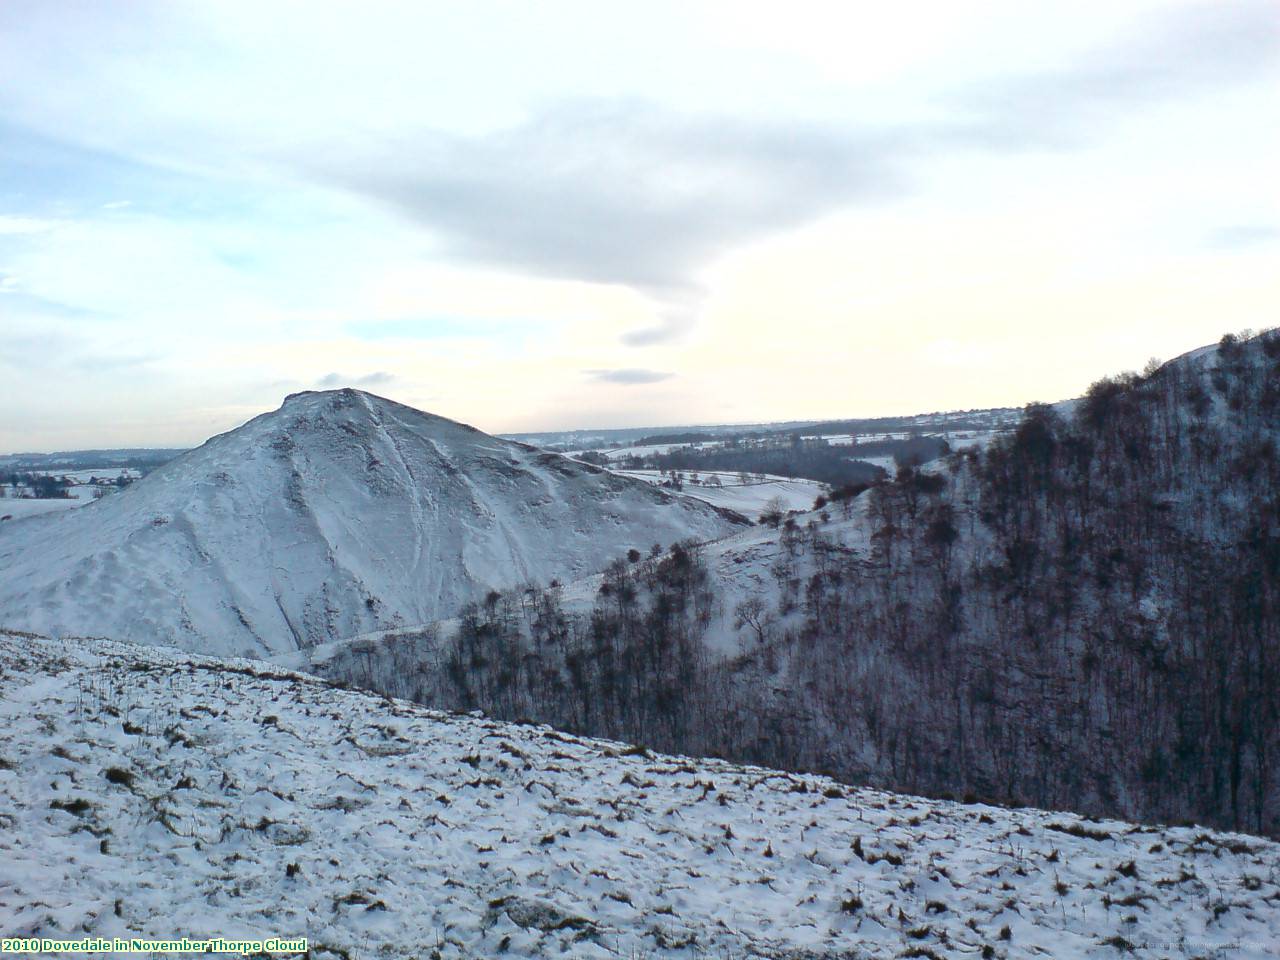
19, 508
17, 505
144, 792
973, 439
84, 476
651, 449
643, 449
846, 439
958, 439
746, 498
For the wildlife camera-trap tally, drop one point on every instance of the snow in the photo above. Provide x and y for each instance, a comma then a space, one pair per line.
338, 514
16, 502
749, 498
847, 439
148, 792
19, 508
645, 449
887, 464
84, 476
741, 565
973, 439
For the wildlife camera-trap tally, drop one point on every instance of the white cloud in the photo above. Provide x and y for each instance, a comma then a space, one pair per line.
777, 211
332, 380
629, 375
14, 225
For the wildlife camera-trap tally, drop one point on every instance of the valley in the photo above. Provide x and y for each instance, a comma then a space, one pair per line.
938, 673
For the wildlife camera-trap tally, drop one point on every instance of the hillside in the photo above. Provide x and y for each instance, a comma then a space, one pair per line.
145, 792
340, 512
1081, 616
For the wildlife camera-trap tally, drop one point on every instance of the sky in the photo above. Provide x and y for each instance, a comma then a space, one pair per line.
564, 215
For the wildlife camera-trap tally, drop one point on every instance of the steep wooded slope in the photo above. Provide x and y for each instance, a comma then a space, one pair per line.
1085, 616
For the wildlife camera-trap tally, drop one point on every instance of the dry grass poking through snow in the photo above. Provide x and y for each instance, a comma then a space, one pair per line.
155, 793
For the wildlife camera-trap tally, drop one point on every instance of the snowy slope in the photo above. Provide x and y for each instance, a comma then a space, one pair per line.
742, 566
15, 508
339, 513
145, 792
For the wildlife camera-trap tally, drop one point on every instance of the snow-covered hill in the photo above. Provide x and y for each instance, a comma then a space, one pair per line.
741, 564
337, 514
145, 792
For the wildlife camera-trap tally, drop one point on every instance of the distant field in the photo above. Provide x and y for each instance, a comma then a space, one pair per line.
748, 499
644, 450
19, 507
84, 476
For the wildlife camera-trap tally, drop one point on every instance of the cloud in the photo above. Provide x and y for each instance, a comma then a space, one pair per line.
113, 363
51, 172
1171, 56
616, 192
627, 192
675, 318
612, 190
432, 328
13, 225
1244, 236
629, 376
59, 352
19, 303
377, 378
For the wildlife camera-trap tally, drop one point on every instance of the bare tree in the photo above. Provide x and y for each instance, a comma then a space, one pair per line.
754, 613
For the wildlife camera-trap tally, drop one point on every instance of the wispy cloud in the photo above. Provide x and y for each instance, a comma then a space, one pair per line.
629, 375
13, 225
1244, 236
617, 192
431, 328
53, 352
20, 304
378, 378
628, 192
676, 316
1182, 52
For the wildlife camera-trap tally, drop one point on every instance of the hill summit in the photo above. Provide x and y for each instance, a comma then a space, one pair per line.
338, 513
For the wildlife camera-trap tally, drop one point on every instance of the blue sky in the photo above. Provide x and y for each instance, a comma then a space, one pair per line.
582, 214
